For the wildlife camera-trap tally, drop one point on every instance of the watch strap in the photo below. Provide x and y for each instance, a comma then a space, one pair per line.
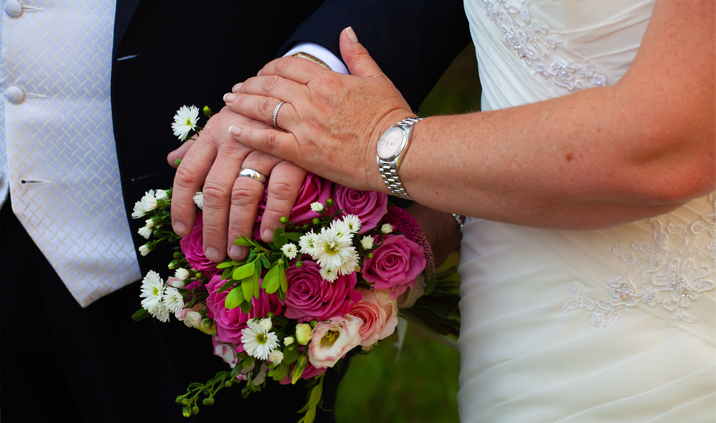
389, 170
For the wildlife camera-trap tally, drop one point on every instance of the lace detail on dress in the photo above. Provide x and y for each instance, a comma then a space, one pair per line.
535, 47
657, 274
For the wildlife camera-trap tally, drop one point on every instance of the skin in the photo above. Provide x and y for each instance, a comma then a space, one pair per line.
647, 146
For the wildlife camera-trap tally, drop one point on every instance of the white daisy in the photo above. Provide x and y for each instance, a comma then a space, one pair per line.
333, 250
152, 290
146, 230
308, 243
144, 249
266, 324
258, 342
276, 357
149, 201
199, 200
160, 194
353, 223
173, 299
139, 210
184, 121
349, 266
367, 242
330, 275
161, 313
317, 207
181, 274
386, 228
290, 251
341, 228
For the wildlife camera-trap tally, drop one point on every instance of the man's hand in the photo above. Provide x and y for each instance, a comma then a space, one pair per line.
231, 202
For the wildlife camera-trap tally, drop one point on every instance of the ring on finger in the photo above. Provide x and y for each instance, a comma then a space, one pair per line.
275, 113
253, 174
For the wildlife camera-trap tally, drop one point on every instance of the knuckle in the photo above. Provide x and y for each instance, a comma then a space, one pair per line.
185, 175
284, 63
266, 106
243, 196
270, 140
213, 194
282, 190
269, 83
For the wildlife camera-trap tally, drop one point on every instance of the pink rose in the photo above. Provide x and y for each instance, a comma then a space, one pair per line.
369, 206
332, 339
314, 189
379, 315
311, 297
192, 246
230, 323
395, 265
225, 351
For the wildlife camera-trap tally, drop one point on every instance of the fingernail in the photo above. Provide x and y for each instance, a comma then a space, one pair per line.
234, 130
259, 72
179, 228
351, 35
238, 253
212, 254
229, 97
267, 235
237, 87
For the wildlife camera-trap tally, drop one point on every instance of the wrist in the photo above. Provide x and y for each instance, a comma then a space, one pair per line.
380, 164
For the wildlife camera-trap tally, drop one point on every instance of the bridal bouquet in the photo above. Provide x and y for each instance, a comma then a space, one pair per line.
330, 282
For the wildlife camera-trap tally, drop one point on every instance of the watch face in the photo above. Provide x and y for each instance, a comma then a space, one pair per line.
390, 144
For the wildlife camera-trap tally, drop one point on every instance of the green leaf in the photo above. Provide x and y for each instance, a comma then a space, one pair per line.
243, 241
310, 415
255, 280
228, 284
234, 299
293, 236
246, 307
141, 314
279, 238
290, 355
315, 395
247, 286
271, 280
265, 262
244, 271
224, 264
282, 278
226, 274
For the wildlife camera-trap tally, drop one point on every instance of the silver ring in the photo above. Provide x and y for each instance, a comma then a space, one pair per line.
275, 113
253, 174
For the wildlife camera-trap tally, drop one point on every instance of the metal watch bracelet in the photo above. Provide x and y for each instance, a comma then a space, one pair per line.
389, 170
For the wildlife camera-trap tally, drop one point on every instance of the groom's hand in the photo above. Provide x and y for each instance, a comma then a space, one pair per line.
231, 202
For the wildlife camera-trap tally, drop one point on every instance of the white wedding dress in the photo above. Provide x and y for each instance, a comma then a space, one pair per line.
615, 325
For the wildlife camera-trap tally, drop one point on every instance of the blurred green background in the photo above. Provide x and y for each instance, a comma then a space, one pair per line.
422, 385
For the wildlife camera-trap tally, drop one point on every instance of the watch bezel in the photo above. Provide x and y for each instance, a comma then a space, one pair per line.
403, 142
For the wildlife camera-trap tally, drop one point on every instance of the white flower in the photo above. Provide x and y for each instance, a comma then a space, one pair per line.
160, 194
317, 207
349, 266
308, 243
152, 290
288, 340
329, 275
333, 339
266, 324
341, 229
304, 332
258, 342
199, 200
353, 223
139, 210
367, 242
173, 300
386, 228
334, 250
276, 357
192, 319
146, 230
290, 251
144, 250
181, 274
184, 121
149, 201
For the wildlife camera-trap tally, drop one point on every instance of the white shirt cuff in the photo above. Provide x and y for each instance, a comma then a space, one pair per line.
321, 53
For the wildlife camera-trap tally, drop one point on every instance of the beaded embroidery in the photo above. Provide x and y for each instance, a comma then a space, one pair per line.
657, 274
535, 47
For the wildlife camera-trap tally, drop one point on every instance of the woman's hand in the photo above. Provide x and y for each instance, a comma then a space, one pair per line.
333, 121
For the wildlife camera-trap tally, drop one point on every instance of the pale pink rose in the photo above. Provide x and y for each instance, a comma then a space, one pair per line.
379, 314
327, 348
181, 314
395, 265
369, 206
225, 351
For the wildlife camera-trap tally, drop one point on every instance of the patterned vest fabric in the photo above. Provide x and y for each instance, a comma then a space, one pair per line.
60, 155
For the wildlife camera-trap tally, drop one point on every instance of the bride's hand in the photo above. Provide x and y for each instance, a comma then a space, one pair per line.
333, 121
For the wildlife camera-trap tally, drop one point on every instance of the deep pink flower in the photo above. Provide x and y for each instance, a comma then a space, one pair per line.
314, 189
230, 323
192, 246
311, 297
395, 265
369, 206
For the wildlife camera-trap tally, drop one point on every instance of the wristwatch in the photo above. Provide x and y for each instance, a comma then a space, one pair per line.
391, 149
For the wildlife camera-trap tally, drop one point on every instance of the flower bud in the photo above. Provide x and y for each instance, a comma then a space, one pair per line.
303, 333
288, 340
179, 399
195, 410
207, 111
329, 202
173, 264
185, 401
370, 255
207, 326
299, 368
313, 323
186, 412
177, 162
316, 221
208, 401
283, 219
